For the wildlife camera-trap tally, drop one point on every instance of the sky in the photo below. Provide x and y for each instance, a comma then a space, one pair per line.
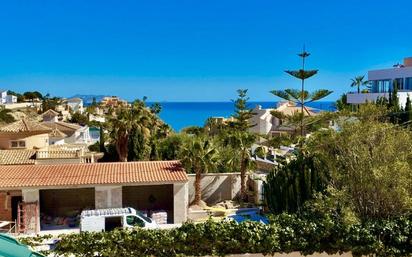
196, 50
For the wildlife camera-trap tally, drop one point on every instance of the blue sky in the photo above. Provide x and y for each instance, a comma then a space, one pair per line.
195, 50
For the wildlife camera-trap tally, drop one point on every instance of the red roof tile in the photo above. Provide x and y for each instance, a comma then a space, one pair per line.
19, 176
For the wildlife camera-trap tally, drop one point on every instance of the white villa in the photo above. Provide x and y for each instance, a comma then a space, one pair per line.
7, 99
383, 81
267, 124
75, 105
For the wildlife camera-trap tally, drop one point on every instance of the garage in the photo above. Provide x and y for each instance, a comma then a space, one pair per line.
152, 200
61, 208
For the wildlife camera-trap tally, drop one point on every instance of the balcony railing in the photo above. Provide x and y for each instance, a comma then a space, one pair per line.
63, 154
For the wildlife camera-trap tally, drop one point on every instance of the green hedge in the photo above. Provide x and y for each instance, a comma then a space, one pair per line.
287, 233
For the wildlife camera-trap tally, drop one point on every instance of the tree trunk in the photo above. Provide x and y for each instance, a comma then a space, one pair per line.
198, 189
121, 148
243, 188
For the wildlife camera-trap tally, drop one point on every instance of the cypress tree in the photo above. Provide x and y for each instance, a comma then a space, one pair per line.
101, 140
408, 110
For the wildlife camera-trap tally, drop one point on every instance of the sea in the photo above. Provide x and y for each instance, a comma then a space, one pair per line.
184, 114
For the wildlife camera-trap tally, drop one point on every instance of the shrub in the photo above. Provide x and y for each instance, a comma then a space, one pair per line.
306, 233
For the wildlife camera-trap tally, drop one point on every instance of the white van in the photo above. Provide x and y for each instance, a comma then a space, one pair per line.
109, 219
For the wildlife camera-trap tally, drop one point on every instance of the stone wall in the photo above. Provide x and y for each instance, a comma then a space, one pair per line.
216, 187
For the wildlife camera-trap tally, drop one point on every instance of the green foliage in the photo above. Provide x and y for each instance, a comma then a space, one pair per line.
199, 155
289, 186
359, 82
408, 110
5, 116
135, 130
50, 102
302, 74
311, 232
169, 148
138, 146
370, 161
342, 103
242, 111
193, 130
31, 95
79, 118
301, 97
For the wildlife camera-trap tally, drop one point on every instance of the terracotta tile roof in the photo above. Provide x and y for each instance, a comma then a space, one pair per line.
51, 113
65, 127
17, 157
25, 125
75, 99
91, 174
289, 108
56, 133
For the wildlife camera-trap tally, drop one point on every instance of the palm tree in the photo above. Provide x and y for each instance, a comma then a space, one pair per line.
241, 142
359, 82
199, 155
134, 119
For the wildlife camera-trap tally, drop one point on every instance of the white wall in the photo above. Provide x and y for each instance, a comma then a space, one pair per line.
355, 98
180, 202
390, 73
108, 197
216, 187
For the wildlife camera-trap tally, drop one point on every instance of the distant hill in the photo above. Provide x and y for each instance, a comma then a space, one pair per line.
88, 99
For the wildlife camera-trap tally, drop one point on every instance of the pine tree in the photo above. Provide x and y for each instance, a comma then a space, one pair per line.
242, 111
301, 97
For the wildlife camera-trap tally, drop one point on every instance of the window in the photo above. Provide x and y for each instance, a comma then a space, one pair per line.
18, 144
399, 83
408, 83
134, 221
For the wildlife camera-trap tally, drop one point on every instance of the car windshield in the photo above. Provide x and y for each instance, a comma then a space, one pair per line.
134, 221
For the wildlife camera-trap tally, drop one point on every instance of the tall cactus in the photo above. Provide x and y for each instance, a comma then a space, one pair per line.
288, 187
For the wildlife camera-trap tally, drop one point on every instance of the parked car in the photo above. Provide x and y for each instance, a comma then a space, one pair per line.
109, 219
10, 247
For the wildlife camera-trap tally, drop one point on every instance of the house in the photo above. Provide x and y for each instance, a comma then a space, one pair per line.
24, 134
50, 116
264, 123
57, 154
382, 83
52, 196
6, 98
113, 102
75, 105
75, 134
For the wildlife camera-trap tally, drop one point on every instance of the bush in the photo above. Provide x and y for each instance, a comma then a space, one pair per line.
371, 162
307, 233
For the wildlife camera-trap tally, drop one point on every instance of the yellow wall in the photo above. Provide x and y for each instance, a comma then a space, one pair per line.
33, 141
